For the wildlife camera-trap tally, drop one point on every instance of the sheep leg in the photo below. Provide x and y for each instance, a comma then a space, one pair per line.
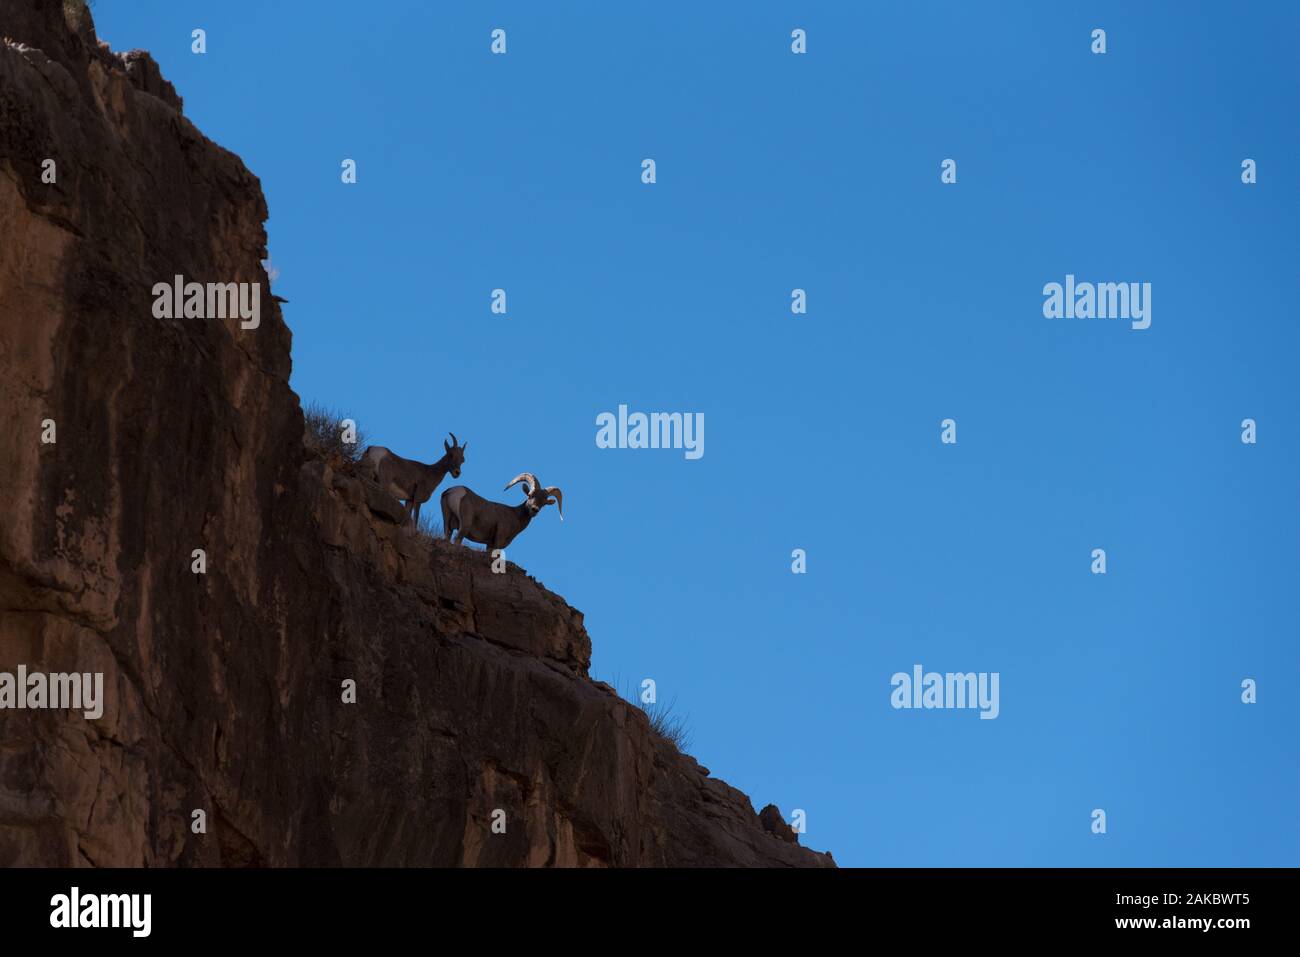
448, 522
413, 505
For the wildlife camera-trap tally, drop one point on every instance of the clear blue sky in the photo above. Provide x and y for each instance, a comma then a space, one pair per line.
822, 172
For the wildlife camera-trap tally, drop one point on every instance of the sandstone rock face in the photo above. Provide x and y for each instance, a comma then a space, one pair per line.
771, 820
223, 691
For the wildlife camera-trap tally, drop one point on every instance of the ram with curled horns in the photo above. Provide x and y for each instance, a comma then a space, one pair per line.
492, 523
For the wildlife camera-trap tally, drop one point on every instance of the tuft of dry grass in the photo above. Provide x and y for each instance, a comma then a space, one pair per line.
324, 432
428, 528
665, 720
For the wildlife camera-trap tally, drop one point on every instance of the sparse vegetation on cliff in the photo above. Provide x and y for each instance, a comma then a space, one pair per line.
665, 720
429, 526
326, 432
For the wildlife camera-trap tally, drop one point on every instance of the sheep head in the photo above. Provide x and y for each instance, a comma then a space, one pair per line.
536, 496
455, 454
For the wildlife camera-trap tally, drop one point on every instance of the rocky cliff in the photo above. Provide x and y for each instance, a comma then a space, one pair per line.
131, 441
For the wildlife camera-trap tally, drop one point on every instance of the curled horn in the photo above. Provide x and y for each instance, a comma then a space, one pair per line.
528, 477
454, 443
559, 499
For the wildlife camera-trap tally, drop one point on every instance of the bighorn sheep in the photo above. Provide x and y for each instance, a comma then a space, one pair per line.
410, 480
491, 523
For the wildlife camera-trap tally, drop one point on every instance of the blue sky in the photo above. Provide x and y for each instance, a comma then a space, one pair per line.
822, 172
